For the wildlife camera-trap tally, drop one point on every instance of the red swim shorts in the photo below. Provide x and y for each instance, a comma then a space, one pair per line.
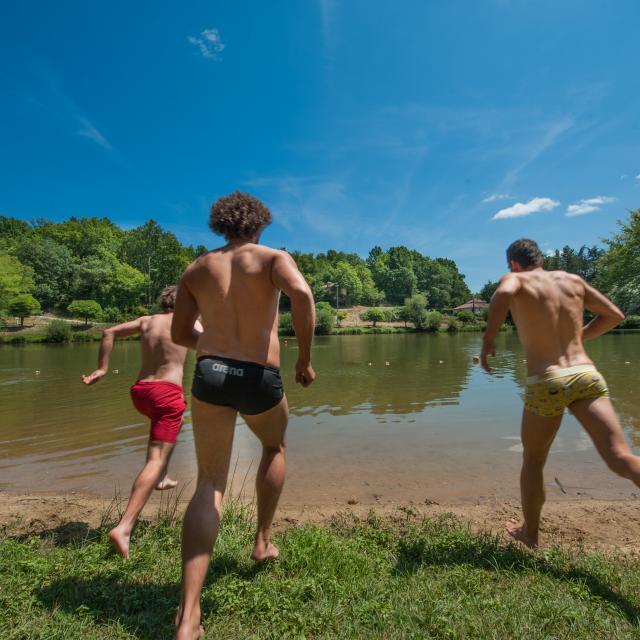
163, 403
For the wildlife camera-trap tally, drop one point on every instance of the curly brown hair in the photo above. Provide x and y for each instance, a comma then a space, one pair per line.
168, 298
238, 215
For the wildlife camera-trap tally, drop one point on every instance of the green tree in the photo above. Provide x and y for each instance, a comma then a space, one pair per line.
324, 322
373, 315
15, 278
416, 309
340, 316
488, 290
23, 305
86, 309
619, 267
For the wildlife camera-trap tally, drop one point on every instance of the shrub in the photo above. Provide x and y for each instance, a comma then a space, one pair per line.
112, 315
324, 322
630, 322
433, 321
391, 314
454, 326
416, 307
373, 315
340, 316
322, 305
58, 331
466, 316
286, 324
82, 336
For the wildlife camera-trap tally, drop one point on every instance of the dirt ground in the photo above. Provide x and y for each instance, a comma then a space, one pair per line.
595, 524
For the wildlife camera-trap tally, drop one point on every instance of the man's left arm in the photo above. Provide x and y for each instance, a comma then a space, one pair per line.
498, 310
106, 347
185, 326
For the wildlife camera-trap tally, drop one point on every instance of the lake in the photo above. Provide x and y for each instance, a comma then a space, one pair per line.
390, 418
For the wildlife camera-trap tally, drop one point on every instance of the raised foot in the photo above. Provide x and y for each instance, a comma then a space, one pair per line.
264, 552
120, 541
518, 531
166, 483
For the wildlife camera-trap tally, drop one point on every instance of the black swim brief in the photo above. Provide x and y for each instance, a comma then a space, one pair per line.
248, 387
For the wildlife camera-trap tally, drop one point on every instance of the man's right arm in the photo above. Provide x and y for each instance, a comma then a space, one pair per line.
608, 315
106, 347
287, 277
498, 309
185, 327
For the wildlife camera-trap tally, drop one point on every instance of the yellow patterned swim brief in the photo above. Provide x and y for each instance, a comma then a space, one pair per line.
551, 393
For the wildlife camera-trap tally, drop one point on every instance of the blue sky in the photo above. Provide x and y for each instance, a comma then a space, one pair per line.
450, 127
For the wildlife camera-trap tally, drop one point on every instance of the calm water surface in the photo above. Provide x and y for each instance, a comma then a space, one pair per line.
406, 417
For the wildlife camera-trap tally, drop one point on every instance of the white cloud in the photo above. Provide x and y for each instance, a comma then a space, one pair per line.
494, 197
90, 131
588, 205
638, 177
209, 43
526, 208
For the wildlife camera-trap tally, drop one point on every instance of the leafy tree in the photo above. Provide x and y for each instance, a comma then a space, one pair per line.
373, 315
15, 278
324, 322
86, 309
12, 228
340, 316
466, 317
416, 308
286, 324
432, 321
619, 267
54, 268
486, 293
404, 314
84, 237
23, 306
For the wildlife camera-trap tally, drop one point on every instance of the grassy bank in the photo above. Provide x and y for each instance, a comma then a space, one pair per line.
369, 578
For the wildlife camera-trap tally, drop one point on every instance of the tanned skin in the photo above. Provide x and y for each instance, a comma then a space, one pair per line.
547, 308
236, 290
161, 359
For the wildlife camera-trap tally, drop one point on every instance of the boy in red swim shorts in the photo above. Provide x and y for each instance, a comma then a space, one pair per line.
157, 394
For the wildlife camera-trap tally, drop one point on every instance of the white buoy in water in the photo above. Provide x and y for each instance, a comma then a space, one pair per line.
37, 372
369, 364
386, 364
115, 371
476, 359
441, 362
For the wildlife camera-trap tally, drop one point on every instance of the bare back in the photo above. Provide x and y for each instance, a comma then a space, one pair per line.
238, 302
548, 311
161, 358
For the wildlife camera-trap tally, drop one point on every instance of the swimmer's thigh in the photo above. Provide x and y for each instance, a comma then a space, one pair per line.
270, 426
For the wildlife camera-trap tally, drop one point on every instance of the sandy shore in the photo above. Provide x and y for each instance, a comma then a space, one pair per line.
594, 523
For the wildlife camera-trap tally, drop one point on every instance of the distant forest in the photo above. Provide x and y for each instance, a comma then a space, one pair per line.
115, 273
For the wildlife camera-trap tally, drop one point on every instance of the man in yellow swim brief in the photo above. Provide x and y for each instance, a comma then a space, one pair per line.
548, 309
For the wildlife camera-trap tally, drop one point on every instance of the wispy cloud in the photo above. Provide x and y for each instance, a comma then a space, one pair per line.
89, 130
494, 197
327, 13
588, 205
209, 44
521, 209
638, 177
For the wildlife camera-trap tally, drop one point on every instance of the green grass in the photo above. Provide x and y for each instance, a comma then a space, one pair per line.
351, 579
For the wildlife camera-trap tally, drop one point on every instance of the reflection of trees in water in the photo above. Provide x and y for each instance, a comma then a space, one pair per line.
423, 370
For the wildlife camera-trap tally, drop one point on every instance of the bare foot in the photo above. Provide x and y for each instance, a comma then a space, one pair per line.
263, 552
120, 541
166, 483
519, 532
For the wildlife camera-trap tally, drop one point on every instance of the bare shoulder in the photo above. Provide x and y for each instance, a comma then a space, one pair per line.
510, 283
566, 279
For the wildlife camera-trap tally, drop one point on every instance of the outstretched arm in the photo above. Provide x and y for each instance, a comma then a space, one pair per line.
498, 309
286, 277
609, 316
185, 327
106, 347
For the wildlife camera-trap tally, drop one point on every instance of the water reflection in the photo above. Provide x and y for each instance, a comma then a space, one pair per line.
387, 414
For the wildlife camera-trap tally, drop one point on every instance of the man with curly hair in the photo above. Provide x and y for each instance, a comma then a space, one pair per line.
236, 290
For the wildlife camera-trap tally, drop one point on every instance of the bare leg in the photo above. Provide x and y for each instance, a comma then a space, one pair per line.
538, 434
270, 428
213, 428
158, 454
599, 419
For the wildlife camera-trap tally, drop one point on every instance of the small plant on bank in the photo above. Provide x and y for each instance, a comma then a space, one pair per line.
58, 331
373, 315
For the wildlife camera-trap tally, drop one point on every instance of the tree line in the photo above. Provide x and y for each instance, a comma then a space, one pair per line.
93, 269
613, 268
